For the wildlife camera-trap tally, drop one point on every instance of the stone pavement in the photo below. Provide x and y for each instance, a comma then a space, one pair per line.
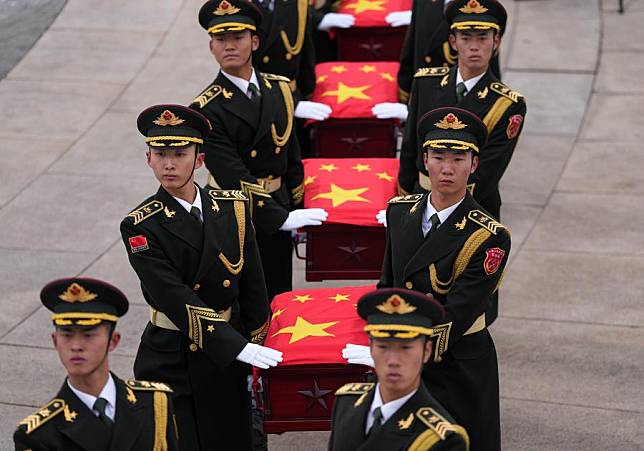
571, 329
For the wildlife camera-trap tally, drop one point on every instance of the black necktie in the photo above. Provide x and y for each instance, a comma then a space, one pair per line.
461, 89
253, 93
435, 222
196, 213
377, 421
99, 405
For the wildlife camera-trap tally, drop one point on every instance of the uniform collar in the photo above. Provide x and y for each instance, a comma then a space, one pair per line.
241, 83
469, 84
388, 409
188, 206
108, 392
442, 215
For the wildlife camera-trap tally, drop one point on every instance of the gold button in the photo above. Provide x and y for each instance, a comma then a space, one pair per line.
278, 150
226, 283
288, 57
196, 287
409, 285
253, 153
266, 59
428, 59
193, 347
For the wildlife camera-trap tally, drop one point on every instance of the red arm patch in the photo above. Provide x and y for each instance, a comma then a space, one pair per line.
138, 243
514, 126
493, 259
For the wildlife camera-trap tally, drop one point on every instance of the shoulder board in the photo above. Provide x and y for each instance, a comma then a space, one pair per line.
503, 90
224, 194
46, 413
486, 221
147, 386
356, 388
210, 93
431, 72
275, 77
405, 199
145, 211
437, 423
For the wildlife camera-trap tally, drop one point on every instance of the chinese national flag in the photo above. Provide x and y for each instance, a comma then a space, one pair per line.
372, 13
351, 89
312, 326
351, 190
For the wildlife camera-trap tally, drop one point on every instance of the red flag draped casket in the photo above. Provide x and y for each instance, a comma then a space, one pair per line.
351, 243
352, 89
311, 327
371, 38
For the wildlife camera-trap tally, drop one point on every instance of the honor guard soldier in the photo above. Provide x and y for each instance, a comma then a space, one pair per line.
476, 27
445, 244
195, 252
252, 146
397, 413
94, 409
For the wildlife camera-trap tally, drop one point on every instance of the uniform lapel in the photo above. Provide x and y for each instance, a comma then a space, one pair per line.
215, 231
433, 11
411, 229
447, 94
478, 97
128, 421
178, 221
353, 424
276, 21
269, 109
86, 430
238, 104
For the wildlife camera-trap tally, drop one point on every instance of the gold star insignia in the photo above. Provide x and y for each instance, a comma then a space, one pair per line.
384, 176
277, 313
339, 196
211, 328
322, 78
367, 5
361, 167
387, 76
340, 297
260, 203
328, 167
368, 68
345, 93
302, 298
337, 70
302, 329
310, 179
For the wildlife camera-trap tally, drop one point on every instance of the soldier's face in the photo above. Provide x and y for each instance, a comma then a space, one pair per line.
398, 364
233, 50
172, 166
475, 48
83, 350
449, 171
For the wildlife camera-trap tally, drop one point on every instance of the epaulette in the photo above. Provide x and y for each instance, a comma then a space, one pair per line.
275, 77
431, 72
439, 424
225, 194
355, 388
210, 93
145, 211
486, 221
409, 198
147, 386
46, 413
503, 90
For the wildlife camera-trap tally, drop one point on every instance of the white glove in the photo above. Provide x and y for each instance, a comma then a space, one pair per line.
388, 110
381, 217
304, 217
399, 18
335, 20
259, 356
312, 110
358, 354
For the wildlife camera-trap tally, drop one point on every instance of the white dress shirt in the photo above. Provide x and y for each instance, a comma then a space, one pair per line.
243, 84
188, 206
442, 215
469, 84
387, 410
108, 392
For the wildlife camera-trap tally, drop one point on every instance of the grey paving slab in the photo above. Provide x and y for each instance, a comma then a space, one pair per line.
570, 363
615, 118
620, 72
604, 167
520, 219
24, 273
70, 212
541, 27
580, 222
62, 109
10, 415
624, 31
312, 441
535, 168
537, 286
556, 102
539, 426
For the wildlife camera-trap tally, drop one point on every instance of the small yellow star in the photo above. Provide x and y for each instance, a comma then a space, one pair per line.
339, 196
368, 68
387, 76
302, 298
367, 5
302, 329
328, 167
340, 297
338, 69
277, 313
384, 176
345, 93
260, 203
310, 179
211, 328
361, 167
322, 78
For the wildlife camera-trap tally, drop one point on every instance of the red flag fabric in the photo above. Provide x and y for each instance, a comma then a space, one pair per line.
312, 326
372, 13
351, 89
351, 190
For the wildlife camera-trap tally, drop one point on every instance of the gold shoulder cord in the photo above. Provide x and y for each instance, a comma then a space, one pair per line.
496, 112
280, 141
160, 421
295, 49
424, 441
240, 216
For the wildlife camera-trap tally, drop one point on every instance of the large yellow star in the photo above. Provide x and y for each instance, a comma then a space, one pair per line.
328, 167
340, 297
361, 167
345, 93
277, 313
302, 298
387, 76
302, 329
339, 195
368, 68
339, 69
367, 5
384, 176
310, 179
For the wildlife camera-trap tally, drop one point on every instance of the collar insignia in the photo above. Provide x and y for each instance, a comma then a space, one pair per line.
168, 118
461, 225
169, 213
450, 121
406, 423
76, 293
396, 304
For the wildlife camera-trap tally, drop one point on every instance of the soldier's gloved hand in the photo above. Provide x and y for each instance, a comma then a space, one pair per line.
398, 18
304, 217
358, 354
381, 217
336, 20
312, 110
259, 356
389, 110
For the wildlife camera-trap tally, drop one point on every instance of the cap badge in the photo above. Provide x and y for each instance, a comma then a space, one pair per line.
76, 293
450, 121
225, 8
168, 118
396, 304
473, 7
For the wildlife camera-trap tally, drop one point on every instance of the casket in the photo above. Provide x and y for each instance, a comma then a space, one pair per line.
311, 327
354, 138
